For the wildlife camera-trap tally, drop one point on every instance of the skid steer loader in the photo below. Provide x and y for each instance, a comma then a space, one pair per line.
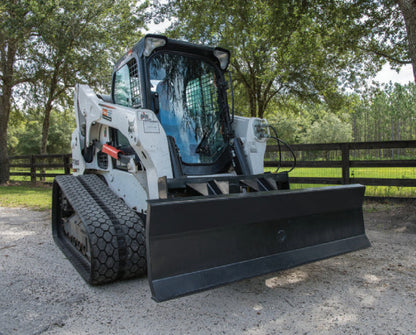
166, 180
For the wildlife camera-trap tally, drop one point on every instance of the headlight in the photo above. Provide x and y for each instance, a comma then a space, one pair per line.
260, 129
153, 42
223, 57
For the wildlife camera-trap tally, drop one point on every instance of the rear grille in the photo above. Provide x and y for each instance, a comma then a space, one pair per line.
102, 160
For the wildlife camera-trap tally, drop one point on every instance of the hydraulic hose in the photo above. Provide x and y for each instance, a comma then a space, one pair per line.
280, 141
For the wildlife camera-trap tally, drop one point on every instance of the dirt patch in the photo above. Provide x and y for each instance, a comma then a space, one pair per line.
388, 216
372, 291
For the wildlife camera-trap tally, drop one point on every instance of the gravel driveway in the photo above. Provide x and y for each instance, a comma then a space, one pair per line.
369, 291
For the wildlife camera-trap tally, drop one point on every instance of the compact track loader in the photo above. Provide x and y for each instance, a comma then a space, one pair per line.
166, 180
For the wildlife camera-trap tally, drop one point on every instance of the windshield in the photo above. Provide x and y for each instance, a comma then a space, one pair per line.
188, 105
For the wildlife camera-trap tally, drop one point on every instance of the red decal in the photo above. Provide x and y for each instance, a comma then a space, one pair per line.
107, 106
113, 152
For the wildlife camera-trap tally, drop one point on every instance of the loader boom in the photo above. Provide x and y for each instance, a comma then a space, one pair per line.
166, 182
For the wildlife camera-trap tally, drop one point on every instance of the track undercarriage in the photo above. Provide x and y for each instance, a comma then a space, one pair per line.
101, 236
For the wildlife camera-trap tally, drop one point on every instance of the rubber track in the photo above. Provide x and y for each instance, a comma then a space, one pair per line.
128, 222
116, 232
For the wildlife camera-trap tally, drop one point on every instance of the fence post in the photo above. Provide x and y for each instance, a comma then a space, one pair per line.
345, 149
67, 167
32, 169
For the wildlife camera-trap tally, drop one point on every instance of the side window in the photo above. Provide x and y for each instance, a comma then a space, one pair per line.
121, 140
126, 85
122, 95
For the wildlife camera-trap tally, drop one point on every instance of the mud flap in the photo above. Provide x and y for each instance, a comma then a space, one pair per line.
194, 244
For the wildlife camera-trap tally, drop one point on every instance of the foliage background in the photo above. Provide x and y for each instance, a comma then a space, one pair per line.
300, 64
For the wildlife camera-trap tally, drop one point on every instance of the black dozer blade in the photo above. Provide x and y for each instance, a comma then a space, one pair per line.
194, 244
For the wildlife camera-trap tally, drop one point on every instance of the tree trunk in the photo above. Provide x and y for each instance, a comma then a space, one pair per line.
48, 107
261, 102
45, 133
252, 104
4, 157
45, 129
392, 135
8, 56
4, 120
261, 112
408, 9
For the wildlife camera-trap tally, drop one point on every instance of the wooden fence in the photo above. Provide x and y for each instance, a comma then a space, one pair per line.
35, 165
343, 159
345, 162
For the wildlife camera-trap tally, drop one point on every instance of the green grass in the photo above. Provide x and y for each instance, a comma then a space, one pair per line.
27, 178
377, 191
33, 197
393, 173
39, 197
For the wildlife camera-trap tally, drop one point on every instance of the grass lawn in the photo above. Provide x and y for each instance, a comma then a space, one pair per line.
33, 197
376, 191
393, 173
39, 197
27, 178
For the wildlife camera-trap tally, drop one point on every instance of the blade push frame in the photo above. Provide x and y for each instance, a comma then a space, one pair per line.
198, 243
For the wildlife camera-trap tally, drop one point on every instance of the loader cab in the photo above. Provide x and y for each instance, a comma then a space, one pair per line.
184, 85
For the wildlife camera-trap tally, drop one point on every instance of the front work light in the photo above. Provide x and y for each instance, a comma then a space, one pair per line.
223, 57
151, 43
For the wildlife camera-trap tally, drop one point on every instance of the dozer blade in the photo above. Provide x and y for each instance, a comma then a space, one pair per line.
194, 244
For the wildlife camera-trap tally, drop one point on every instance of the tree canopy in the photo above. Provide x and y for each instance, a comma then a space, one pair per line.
277, 47
47, 46
297, 57
307, 48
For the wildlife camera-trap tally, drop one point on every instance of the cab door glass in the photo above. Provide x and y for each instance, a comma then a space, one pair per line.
189, 105
126, 85
122, 87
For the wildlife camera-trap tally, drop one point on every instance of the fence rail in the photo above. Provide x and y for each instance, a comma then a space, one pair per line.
342, 159
37, 163
345, 162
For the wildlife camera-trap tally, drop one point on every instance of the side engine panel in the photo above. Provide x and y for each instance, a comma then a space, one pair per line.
251, 132
142, 133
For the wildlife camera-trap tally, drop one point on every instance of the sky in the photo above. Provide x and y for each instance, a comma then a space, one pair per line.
387, 74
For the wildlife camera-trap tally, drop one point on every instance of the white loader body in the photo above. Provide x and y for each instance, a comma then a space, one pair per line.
146, 136
167, 181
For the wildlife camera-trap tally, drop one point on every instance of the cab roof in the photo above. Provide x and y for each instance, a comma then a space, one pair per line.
173, 45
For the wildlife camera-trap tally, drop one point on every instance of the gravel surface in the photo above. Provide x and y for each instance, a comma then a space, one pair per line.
369, 291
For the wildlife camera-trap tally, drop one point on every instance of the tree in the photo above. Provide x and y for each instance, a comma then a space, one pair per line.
27, 132
16, 27
329, 128
408, 10
386, 113
15, 128
278, 48
76, 42
51, 44
387, 31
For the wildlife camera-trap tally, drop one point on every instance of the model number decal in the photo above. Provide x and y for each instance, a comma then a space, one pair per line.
151, 127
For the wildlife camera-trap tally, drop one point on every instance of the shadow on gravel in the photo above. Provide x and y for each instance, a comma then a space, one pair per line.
369, 291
